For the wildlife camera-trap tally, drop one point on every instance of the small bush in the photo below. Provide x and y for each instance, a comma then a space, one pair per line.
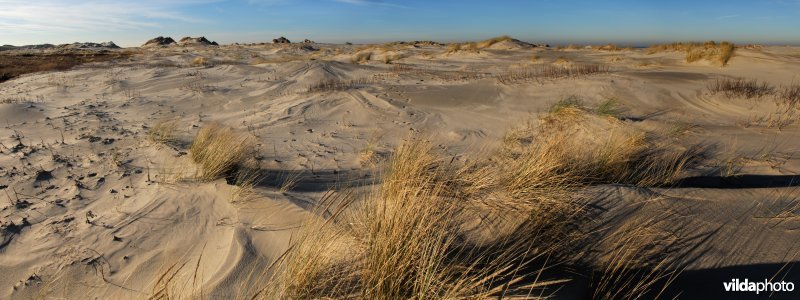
361, 57
200, 62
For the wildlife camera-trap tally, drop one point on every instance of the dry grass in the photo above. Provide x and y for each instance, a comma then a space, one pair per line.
570, 47
489, 42
368, 156
200, 62
219, 150
606, 150
536, 73
336, 84
388, 58
401, 241
740, 87
244, 182
790, 96
611, 48
718, 53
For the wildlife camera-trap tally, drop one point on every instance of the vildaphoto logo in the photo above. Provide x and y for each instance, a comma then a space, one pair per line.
736, 285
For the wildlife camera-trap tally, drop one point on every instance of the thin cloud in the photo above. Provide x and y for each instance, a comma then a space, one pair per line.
71, 15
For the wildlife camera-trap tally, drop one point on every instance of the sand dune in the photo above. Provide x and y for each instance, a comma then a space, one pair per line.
95, 206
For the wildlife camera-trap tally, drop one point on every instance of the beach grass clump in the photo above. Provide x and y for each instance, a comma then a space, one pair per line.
410, 237
605, 149
219, 150
720, 53
403, 240
740, 87
790, 95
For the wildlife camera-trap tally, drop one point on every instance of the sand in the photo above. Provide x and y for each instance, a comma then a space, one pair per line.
91, 207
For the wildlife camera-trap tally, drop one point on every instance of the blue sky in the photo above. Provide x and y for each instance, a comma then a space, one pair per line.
131, 22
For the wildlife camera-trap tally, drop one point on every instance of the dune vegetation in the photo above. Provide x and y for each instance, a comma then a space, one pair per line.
476, 46
406, 238
719, 53
13, 65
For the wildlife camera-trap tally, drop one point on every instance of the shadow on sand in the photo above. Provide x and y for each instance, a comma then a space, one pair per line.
740, 181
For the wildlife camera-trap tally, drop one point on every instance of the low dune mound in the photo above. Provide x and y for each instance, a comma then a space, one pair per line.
90, 45
497, 43
198, 41
510, 44
159, 41
281, 40
28, 47
76, 45
710, 51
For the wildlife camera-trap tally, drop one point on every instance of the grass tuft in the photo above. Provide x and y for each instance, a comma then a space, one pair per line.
163, 132
610, 108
